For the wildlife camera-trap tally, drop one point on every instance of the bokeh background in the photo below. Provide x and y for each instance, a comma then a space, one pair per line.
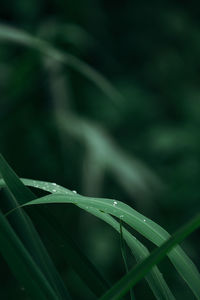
140, 146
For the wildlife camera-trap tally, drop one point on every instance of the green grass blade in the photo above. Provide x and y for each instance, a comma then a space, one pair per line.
121, 287
143, 225
19, 194
8, 33
154, 278
22, 264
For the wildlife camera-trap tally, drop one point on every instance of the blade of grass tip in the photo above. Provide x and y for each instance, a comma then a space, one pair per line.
22, 265
144, 226
155, 278
78, 260
25, 229
9, 33
124, 256
137, 273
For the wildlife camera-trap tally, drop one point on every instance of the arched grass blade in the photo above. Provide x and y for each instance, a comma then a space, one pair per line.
121, 287
143, 225
154, 278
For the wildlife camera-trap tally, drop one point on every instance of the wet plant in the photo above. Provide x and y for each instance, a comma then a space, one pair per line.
30, 262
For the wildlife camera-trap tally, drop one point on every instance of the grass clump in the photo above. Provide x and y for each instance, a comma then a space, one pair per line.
22, 245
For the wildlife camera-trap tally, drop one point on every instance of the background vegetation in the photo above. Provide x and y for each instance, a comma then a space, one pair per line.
139, 144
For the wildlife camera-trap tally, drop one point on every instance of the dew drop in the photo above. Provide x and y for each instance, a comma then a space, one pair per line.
53, 190
75, 192
121, 216
114, 203
144, 220
54, 183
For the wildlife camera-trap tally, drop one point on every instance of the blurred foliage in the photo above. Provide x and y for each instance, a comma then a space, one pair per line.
142, 148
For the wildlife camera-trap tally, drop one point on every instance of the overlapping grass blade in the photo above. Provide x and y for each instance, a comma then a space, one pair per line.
8, 33
77, 259
24, 228
143, 225
154, 278
121, 287
22, 264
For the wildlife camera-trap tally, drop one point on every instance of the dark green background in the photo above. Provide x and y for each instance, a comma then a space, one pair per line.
150, 51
